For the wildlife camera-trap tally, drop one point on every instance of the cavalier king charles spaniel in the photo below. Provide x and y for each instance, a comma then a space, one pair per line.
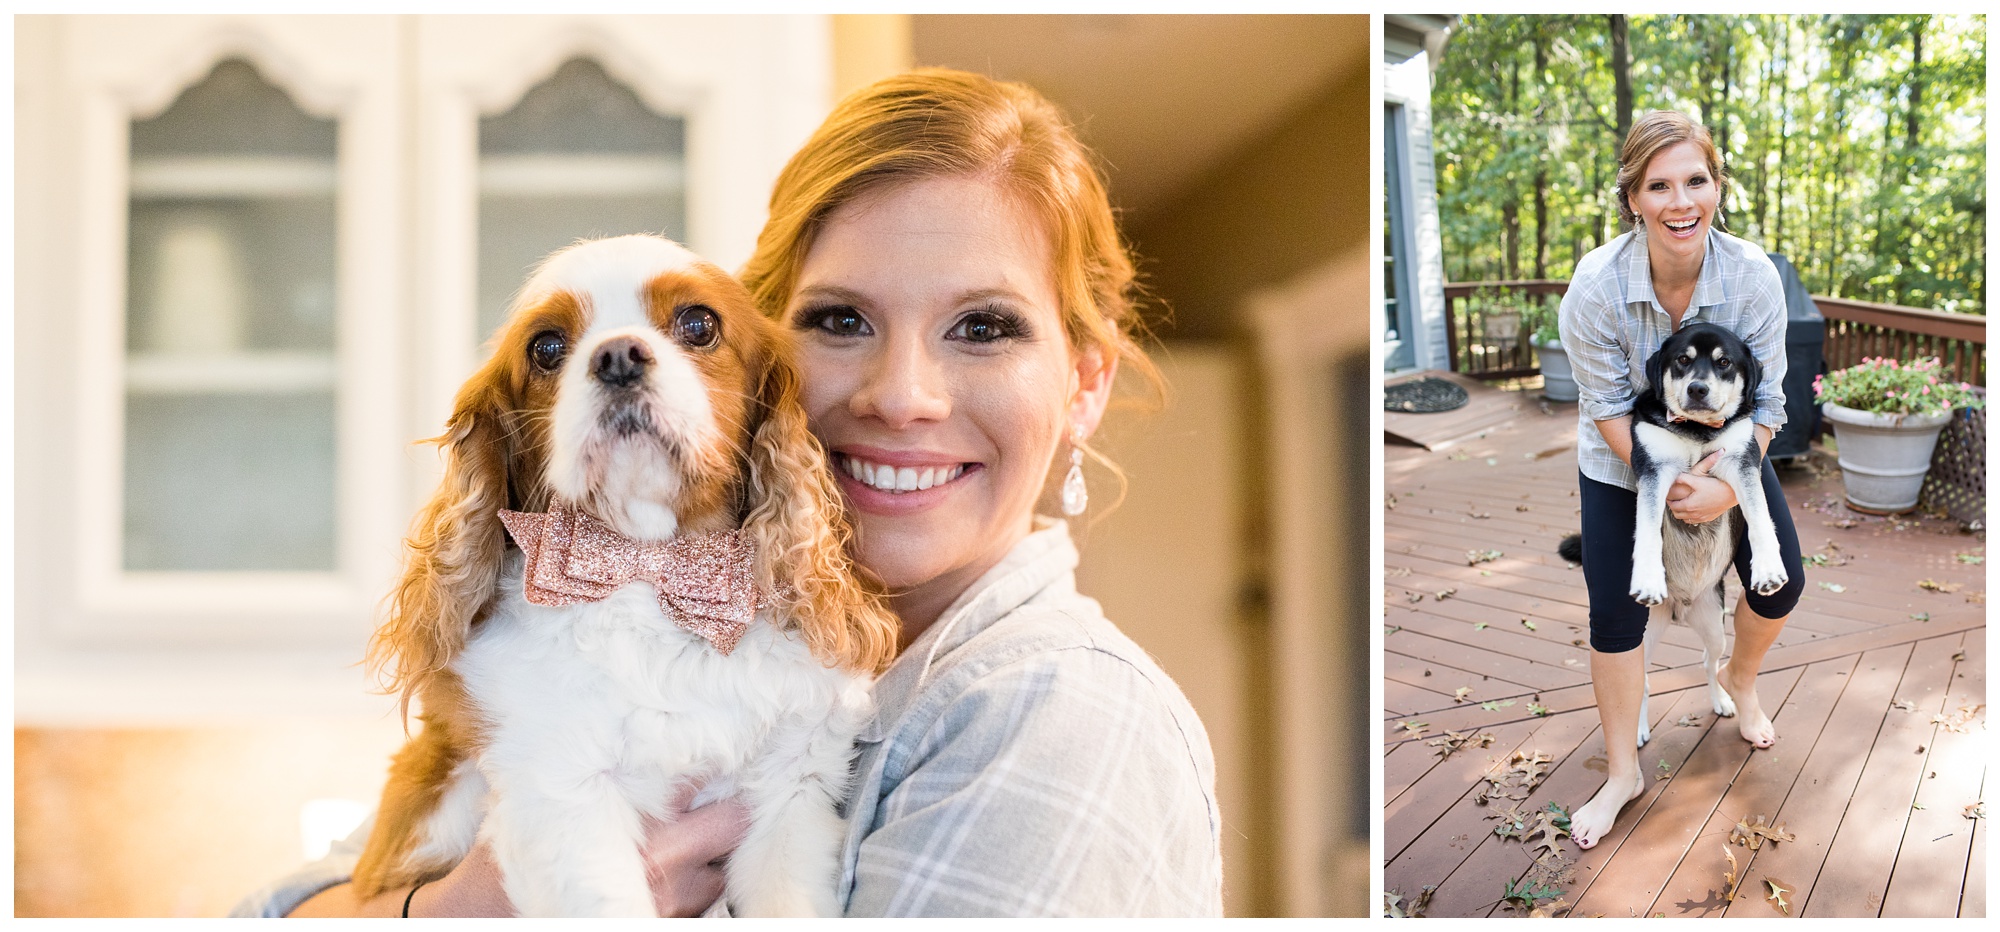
633, 578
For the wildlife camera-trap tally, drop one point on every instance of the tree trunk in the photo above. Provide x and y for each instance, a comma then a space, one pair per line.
1916, 83
1621, 77
1510, 233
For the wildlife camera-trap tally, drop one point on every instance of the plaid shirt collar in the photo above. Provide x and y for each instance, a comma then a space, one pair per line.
1708, 290
1045, 554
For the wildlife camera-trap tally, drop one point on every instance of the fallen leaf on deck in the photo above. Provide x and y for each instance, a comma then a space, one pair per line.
1548, 832
1423, 903
1521, 508
1523, 897
1443, 594
1495, 705
1459, 694
1550, 909
1970, 559
1666, 771
1833, 587
1778, 896
1416, 597
1977, 598
1413, 727
1729, 876
1453, 741
1916, 805
1480, 626
1921, 616
1904, 704
1476, 557
1572, 662
1528, 624
1935, 586
1492, 461
1753, 834
1975, 810
1480, 515
1461, 456
1957, 723
1959, 656
1534, 709
1392, 905
1689, 721
1395, 571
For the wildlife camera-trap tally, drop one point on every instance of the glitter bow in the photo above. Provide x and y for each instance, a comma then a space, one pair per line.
706, 582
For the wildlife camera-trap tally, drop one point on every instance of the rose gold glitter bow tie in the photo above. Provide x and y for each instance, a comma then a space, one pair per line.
705, 581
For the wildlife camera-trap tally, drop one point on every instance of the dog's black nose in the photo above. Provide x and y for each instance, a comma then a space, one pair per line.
620, 361
1697, 390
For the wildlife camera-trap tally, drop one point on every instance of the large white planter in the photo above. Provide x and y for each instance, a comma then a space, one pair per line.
1883, 457
1558, 379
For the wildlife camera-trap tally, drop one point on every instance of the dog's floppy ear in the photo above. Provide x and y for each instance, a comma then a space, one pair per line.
1656, 365
1753, 375
452, 555
799, 528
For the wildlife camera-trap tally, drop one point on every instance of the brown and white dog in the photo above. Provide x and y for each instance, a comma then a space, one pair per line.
636, 411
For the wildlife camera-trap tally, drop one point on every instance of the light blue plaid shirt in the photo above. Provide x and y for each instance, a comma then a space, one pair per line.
1612, 322
1026, 759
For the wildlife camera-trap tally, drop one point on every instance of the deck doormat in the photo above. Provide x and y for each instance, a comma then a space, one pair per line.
1424, 396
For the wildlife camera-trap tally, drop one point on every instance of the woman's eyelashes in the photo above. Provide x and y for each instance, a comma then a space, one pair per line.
837, 320
981, 326
989, 325
1695, 182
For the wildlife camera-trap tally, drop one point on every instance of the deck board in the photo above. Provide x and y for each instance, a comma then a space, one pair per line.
1844, 777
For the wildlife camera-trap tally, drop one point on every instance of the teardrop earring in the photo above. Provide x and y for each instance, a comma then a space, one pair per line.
1075, 497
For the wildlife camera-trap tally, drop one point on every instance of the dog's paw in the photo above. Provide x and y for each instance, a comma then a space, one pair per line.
1649, 586
1766, 578
1718, 699
1645, 732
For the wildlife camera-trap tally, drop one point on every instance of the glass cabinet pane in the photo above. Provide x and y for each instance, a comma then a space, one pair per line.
580, 156
229, 355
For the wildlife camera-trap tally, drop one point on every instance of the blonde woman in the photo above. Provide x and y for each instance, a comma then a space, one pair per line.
1673, 269
944, 250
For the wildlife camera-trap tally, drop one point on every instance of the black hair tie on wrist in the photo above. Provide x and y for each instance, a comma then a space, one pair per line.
412, 896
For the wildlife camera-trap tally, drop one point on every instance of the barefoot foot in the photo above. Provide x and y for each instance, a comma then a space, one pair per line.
1590, 823
1751, 721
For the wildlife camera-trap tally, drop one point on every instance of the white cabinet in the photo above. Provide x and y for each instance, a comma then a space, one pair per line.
256, 255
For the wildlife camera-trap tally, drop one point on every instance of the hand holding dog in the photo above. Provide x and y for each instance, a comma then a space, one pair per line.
682, 865
1698, 498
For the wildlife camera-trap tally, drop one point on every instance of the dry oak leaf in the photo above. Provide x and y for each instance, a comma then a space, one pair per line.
1689, 720
1935, 586
1453, 741
1904, 704
1459, 694
1753, 835
1548, 832
1395, 571
1778, 896
1414, 728
1476, 557
1729, 876
1550, 909
1443, 594
1975, 810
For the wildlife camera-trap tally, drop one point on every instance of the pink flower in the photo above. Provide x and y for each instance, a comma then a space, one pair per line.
1933, 380
1891, 394
1927, 389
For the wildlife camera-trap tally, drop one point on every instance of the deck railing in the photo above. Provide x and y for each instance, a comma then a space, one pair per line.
1487, 339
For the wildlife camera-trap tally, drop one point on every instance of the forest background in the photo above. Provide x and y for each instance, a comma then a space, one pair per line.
1855, 145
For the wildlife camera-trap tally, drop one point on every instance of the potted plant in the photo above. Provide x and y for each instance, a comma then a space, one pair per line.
1558, 379
1886, 417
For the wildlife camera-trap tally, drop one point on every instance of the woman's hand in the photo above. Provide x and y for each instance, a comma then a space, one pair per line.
682, 859
1698, 498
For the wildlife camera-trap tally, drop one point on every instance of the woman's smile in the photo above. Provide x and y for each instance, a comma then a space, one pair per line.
888, 483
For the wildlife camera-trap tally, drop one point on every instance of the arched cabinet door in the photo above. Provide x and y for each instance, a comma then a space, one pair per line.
538, 130
228, 374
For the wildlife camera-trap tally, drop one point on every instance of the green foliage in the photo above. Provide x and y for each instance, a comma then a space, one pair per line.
1856, 145
1885, 386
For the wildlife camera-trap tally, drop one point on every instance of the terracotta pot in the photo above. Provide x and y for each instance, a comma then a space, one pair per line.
1883, 457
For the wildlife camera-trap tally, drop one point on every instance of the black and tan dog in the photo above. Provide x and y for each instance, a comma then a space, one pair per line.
1701, 391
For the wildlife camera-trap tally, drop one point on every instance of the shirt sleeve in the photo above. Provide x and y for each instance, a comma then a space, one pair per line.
278, 898
1056, 785
1588, 320
1766, 320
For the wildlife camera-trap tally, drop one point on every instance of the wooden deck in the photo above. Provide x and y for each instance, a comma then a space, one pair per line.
1873, 772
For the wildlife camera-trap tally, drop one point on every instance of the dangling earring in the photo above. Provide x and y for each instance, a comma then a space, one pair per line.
1075, 497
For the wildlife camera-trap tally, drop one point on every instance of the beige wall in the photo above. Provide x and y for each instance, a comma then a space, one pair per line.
176, 821
1284, 205
869, 46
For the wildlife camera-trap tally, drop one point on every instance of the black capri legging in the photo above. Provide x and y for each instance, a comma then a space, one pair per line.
1610, 517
